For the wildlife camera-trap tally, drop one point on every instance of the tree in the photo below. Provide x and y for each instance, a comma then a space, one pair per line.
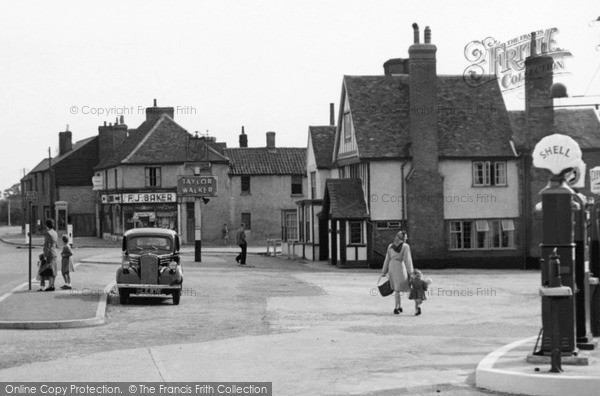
11, 199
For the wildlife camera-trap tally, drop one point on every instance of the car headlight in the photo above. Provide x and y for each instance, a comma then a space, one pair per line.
125, 262
172, 265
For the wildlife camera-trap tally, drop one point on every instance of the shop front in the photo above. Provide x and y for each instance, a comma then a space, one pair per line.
125, 211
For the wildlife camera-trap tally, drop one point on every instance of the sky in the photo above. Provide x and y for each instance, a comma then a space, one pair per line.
263, 64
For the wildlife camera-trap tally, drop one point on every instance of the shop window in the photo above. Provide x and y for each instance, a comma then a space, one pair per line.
153, 177
245, 184
296, 184
356, 234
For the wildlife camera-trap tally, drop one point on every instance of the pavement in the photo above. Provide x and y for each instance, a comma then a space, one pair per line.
322, 346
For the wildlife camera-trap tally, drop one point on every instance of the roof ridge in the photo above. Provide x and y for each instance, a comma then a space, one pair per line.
144, 139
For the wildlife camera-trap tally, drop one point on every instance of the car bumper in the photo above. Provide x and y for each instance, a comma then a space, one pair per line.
141, 286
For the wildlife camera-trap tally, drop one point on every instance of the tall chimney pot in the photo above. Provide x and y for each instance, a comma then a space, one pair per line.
243, 138
416, 32
427, 35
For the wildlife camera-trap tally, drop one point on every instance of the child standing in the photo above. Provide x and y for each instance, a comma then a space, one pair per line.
418, 287
43, 270
67, 263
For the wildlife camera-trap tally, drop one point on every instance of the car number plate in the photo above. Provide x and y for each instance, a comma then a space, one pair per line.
148, 291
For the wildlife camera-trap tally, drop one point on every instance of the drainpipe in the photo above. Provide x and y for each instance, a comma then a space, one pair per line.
403, 194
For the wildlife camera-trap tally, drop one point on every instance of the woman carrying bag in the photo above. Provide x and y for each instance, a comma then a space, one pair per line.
398, 263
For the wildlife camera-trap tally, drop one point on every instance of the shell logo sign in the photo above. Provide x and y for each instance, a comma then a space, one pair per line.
558, 153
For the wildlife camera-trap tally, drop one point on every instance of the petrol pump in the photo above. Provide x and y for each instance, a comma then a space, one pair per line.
565, 251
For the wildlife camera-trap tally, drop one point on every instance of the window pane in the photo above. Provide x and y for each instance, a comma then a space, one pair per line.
246, 184
500, 176
495, 234
455, 235
356, 232
467, 229
478, 173
296, 184
247, 221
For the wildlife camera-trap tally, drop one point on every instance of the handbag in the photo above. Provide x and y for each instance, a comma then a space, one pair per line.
385, 288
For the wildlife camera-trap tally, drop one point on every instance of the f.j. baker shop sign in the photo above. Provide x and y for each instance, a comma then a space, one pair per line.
558, 153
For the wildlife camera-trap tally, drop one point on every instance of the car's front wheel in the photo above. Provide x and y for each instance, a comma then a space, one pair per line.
123, 296
176, 297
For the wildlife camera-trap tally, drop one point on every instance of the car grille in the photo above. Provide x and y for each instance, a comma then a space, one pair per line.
135, 261
149, 269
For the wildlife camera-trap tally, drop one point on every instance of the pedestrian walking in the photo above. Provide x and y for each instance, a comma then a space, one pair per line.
398, 263
241, 241
225, 234
418, 290
67, 263
51, 252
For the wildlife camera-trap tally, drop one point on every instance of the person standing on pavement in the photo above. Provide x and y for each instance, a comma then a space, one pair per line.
398, 263
50, 251
241, 241
225, 235
67, 263
418, 290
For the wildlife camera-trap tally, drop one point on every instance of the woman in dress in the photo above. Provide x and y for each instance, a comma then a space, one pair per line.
398, 263
50, 251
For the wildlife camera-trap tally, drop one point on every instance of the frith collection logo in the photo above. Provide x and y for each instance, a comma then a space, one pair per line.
492, 60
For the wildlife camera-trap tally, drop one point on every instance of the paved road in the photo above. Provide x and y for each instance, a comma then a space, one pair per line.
308, 328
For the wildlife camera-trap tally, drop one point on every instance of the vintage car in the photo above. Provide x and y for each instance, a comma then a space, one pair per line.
151, 264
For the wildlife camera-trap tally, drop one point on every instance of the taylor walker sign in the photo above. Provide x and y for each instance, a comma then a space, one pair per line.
492, 60
197, 186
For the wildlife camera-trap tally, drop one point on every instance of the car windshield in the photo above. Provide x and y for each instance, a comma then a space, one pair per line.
137, 244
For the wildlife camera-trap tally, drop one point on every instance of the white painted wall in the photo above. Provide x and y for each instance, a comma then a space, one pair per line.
463, 201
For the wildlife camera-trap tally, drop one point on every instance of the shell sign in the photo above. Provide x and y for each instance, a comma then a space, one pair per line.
557, 152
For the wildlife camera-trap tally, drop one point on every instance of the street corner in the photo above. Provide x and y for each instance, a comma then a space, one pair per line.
35, 309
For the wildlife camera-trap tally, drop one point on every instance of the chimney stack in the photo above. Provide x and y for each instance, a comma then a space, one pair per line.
154, 113
539, 106
243, 138
65, 142
331, 114
424, 180
110, 139
271, 141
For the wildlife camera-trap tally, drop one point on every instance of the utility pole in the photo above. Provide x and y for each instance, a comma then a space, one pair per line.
49, 183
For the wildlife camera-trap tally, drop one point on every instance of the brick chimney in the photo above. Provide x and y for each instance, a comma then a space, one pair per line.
243, 139
539, 110
271, 141
395, 66
65, 142
153, 113
110, 139
331, 114
424, 184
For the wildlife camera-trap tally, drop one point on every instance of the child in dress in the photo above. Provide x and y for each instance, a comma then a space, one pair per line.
67, 263
418, 288
41, 267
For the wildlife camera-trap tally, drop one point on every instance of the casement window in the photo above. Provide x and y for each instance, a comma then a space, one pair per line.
482, 234
153, 177
356, 232
296, 184
313, 185
245, 184
489, 173
347, 125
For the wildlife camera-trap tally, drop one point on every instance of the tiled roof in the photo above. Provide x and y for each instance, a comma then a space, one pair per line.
263, 161
344, 199
134, 137
323, 139
161, 141
471, 121
43, 165
580, 124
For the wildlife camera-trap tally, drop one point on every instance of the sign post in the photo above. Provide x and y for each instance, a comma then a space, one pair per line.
199, 187
30, 196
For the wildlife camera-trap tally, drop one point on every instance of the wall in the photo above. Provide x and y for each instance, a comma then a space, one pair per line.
268, 196
463, 201
386, 198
